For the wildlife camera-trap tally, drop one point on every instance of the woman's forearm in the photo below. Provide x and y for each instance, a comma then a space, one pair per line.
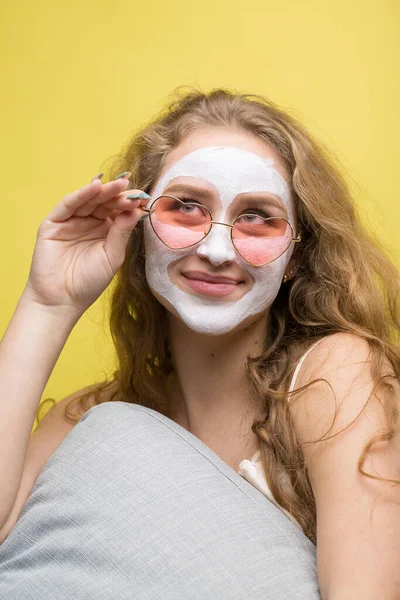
29, 351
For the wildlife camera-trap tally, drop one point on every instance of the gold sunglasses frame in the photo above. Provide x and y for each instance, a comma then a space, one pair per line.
149, 211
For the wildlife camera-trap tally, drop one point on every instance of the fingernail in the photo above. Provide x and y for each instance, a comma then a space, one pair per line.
140, 195
126, 174
98, 176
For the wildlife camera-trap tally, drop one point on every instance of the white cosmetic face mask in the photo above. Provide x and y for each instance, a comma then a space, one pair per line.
232, 171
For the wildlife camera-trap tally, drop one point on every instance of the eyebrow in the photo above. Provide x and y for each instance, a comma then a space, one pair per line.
204, 194
190, 189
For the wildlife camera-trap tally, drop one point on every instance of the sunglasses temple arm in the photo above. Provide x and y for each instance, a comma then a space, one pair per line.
147, 211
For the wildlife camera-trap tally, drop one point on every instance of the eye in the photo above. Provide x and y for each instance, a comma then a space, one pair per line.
187, 207
250, 216
184, 208
185, 199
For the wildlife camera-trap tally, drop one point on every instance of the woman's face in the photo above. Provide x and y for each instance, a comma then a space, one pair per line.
232, 171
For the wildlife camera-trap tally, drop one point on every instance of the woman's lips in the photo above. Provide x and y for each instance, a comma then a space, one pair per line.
211, 288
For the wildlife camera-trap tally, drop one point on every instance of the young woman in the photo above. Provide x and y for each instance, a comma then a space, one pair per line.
249, 305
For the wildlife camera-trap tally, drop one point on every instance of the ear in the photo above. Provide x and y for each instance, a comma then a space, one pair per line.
293, 264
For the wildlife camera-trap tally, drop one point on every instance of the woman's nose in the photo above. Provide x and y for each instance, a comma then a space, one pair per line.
217, 245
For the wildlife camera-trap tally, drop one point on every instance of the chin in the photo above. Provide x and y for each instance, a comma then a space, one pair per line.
214, 327
210, 330
211, 319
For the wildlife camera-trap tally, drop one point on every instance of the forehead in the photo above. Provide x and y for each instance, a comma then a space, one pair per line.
230, 170
209, 136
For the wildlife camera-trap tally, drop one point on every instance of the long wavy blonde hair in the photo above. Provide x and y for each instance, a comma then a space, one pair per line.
346, 284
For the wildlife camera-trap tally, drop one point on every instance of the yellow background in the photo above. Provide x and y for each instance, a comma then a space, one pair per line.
78, 78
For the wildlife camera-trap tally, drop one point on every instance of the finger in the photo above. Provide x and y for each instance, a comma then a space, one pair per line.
120, 203
113, 214
92, 193
108, 190
119, 234
71, 202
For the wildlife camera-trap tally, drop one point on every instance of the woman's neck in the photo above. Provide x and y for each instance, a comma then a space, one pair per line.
210, 395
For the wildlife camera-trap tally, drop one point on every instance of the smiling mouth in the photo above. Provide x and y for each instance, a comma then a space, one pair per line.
211, 286
215, 279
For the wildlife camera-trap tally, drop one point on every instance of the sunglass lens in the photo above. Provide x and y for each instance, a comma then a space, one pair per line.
179, 224
259, 240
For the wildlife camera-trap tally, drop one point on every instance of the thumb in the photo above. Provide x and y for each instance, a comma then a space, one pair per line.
119, 234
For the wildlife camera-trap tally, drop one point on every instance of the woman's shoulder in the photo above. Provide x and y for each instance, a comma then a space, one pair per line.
324, 353
334, 384
334, 351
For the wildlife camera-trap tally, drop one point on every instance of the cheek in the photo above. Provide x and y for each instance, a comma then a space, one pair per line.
158, 255
150, 247
270, 276
152, 244
177, 237
260, 251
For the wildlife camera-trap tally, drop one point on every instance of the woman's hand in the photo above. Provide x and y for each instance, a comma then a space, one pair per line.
81, 244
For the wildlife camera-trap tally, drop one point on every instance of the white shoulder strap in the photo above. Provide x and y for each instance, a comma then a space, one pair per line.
295, 374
